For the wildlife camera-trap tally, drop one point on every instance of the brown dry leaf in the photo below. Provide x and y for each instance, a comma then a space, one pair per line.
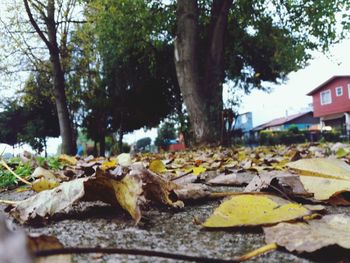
232, 179
313, 235
44, 242
286, 182
126, 192
155, 187
49, 202
192, 192
254, 210
41, 172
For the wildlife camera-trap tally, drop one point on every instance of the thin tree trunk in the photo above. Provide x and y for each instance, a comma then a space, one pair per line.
120, 141
50, 41
102, 144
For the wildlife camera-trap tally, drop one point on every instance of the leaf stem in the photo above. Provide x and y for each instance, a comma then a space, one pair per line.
257, 252
3, 163
8, 202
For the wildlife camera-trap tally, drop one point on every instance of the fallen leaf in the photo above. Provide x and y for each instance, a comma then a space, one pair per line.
322, 167
192, 192
44, 184
232, 179
70, 160
110, 164
198, 170
276, 180
41, 172
49, 202
254, 210
157, 166
327, 189
313, 235
155, 187
44, 242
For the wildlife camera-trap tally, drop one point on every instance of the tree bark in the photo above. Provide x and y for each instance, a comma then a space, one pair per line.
201, 89
50, 41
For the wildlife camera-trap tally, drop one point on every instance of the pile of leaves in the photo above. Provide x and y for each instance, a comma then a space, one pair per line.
286, 189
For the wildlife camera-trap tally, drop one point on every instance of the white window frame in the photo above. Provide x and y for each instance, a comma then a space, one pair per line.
341, 91
330, 97
349, 90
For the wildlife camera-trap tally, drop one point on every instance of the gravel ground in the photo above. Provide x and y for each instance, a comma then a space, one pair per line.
161, 229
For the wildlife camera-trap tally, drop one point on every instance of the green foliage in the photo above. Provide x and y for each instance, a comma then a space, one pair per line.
331, 136
166, 133
50, 162
143, 144
23, 170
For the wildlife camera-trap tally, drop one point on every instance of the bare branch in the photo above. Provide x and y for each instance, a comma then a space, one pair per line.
35, 25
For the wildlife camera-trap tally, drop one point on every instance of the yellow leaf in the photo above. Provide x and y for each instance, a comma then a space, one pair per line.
324, 188
71, 160
128, 191
157, 166
322, 167
109, 164
253, 210
341, 152
196, 170
44, 184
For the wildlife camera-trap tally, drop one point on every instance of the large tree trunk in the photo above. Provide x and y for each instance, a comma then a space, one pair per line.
66, 129
201, 89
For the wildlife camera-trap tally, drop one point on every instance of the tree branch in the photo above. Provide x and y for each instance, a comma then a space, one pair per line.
123, 251
35, 25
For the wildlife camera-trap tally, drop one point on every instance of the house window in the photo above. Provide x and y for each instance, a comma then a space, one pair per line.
339, 91
326, 97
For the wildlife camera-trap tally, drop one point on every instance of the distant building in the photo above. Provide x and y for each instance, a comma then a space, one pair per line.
331, 103
304, 121
244, 122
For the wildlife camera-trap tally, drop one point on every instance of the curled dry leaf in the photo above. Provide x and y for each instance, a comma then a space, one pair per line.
155, 187
192, 192
49, 202
232, 179
286, 182
43, 242
313, 235
254, 210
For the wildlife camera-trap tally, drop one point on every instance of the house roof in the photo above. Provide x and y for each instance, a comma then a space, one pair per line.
280, 121
326, 82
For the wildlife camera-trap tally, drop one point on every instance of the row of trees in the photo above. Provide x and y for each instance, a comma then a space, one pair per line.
114, 66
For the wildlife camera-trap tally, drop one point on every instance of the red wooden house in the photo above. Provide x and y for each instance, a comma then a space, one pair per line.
331, 102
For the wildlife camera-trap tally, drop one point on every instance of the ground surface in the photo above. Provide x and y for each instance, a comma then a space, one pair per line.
161, 229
